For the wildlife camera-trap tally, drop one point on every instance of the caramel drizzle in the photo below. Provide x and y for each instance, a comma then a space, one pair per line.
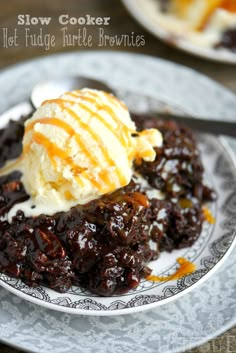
124, 139
62, 103
102, 147
115, 100
67, 128
186, 267
51, 121
71, 132
54, 151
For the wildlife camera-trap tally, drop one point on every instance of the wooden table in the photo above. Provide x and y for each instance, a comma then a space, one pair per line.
120, 23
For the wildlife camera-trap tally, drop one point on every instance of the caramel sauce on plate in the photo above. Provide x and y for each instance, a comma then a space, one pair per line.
208, 215
186, 267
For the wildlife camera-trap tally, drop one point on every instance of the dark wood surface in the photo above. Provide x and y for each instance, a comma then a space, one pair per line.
120, 23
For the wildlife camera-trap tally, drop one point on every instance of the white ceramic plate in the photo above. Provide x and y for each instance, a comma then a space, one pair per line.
186, 322
207, 253
145, 15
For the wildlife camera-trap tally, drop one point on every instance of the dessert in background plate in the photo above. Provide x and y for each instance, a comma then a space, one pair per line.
206, 23
92, 199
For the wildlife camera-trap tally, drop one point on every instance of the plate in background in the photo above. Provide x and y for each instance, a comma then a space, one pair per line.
145, 15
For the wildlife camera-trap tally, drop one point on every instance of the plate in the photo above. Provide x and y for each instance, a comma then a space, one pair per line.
207, 253
144, 11
193, 318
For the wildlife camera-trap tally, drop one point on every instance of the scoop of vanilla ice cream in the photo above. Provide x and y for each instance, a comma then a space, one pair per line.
79, 147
